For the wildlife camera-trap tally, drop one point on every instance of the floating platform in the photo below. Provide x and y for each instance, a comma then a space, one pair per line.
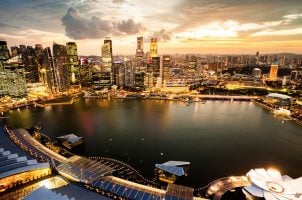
70, 141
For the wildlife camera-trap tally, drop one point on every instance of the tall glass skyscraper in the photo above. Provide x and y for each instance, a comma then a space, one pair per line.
153, 47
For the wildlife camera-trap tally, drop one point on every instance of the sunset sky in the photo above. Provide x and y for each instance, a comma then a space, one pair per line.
181, 26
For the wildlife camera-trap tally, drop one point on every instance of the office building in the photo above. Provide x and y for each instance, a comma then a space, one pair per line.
256, 73
47, 72
273, 74
119, 74
129, 74
153, 48
72, 60
107, 60
4, 52
140, 48
14, 51
139, 56
166, 67
62, 68
12, 76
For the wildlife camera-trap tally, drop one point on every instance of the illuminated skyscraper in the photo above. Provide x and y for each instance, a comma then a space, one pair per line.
273, 72
72, 60
153, 48
109, 41
47, 70
139, 61
30, 65
12, 76
166, 67
129, 73
106, 57
119, 71
4, 52
140, 48
72, 53
62, 69
104, 78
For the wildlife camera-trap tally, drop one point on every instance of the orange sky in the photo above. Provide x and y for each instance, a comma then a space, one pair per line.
181, 26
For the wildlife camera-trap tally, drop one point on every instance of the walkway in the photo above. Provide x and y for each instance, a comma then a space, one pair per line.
220, 186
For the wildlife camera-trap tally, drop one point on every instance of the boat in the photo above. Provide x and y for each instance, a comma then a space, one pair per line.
282, 111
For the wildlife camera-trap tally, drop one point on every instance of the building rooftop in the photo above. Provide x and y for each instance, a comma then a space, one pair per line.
13, 160
72, 138
277, 95
173, 167
271, 185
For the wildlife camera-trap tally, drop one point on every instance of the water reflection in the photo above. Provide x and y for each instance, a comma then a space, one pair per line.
214, 137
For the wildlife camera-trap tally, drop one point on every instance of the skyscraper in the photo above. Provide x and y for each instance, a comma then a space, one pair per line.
109, 41
129, 74
106, 74
4, 52
166, 67
47, 70
139, 56
72, 53
62, 69
72, 60
273, 72
106, 57
153, 47
140, 48
30, 64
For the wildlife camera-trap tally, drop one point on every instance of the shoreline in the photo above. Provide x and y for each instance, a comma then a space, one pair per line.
181, 98
270, 109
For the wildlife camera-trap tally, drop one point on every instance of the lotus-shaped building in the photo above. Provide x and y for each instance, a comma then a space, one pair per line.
272, 186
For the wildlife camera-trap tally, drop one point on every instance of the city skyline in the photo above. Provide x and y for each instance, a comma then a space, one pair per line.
216, 27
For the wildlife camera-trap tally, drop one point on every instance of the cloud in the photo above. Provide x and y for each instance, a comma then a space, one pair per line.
296, 31
128, 26
161, 35
3, 25
118, 1
78, 27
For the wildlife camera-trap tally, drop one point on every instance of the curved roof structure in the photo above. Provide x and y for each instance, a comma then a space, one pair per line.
277, 95
173, 167
272, 186
13, 160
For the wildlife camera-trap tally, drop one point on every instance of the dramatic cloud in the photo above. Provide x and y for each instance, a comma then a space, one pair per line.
180, 25
162, 35
78, 27
128, 27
